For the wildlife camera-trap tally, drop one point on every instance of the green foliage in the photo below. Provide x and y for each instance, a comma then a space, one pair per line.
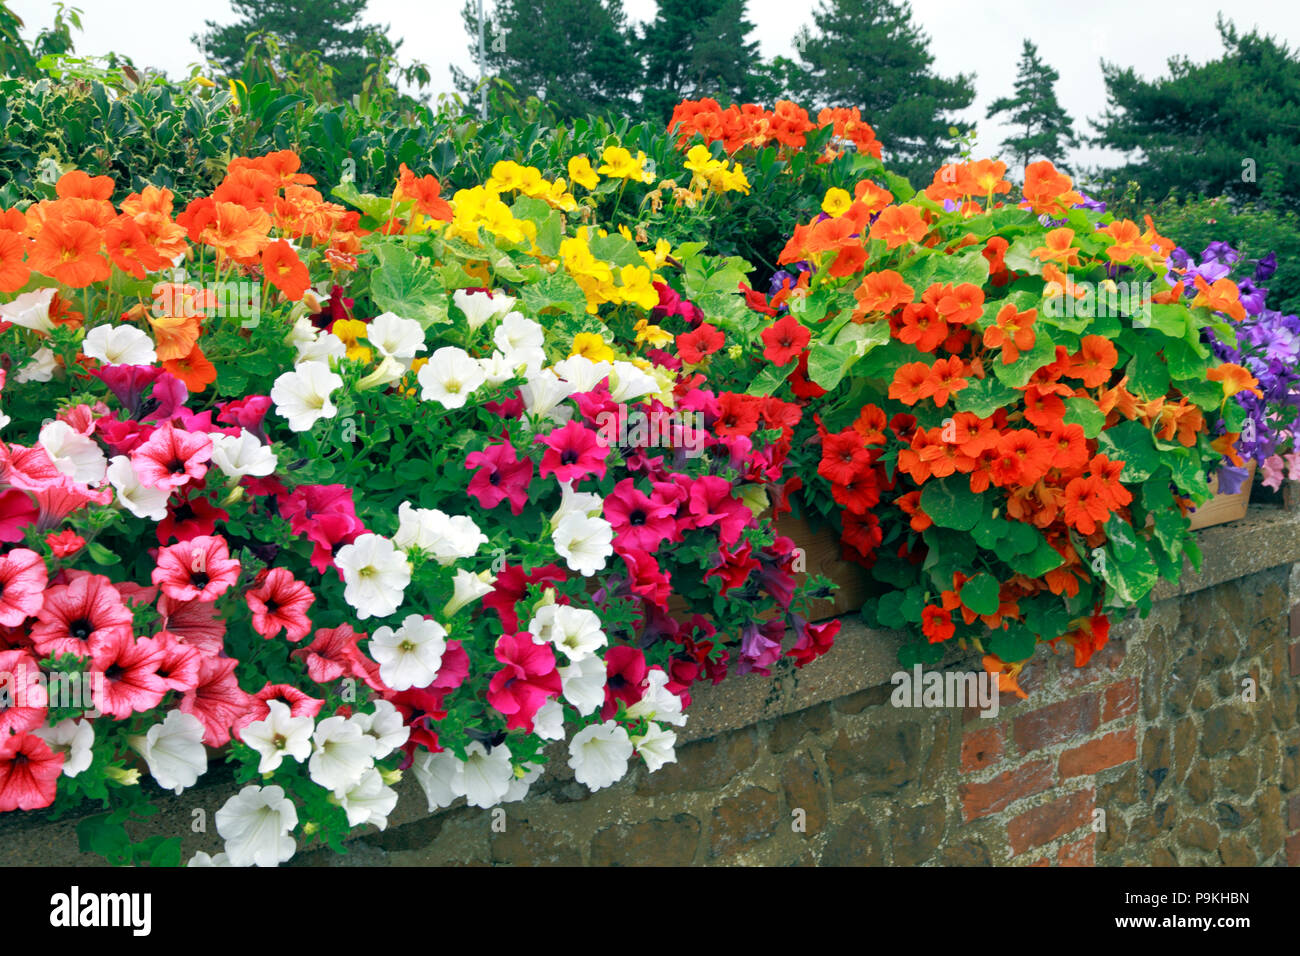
1230, 126
1047, 128
694, 49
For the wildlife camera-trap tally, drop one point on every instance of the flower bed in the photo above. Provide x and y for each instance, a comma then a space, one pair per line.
420, 483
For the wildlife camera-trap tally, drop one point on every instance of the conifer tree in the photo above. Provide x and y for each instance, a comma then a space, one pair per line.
1045, 130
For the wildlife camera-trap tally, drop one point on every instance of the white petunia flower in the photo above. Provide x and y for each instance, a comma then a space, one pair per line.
203, 859
375, 574
386, 726
582, 373
521, 783
31, 310
496, 369
395, 337
599, 754
388, 371
436, 774
39, 369
445, 538
584, 503
485, 775
479, 307
302, 333
74, 454
321, 348
73, 739
449, 377
542, 394
240, 455
548, 722
174, 751
656, 747
256, 823
517, 332
411, 655
302, 396
657, 702
368, 800
119, 345
628, 383
142, 502
468, 588
341, 753
584, 543
279, 735
574, 630
583, 684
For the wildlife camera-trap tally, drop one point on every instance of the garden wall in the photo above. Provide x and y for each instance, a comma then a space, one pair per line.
1178, 744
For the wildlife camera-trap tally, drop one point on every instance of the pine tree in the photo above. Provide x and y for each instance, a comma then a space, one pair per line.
870, 54
1048, 129
697, 48
1227, 127
332, 28
576, 55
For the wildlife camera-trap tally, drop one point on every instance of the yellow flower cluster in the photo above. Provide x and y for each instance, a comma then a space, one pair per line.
596, 278
716, 173
482, 206
508, 176
620, 164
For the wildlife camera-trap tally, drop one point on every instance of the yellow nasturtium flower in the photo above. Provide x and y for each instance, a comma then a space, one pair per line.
657, 337
350, 330
591, 345
837, 202
619, 163
580, 172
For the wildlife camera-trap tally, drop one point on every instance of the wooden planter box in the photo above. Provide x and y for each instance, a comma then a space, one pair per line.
1224, 508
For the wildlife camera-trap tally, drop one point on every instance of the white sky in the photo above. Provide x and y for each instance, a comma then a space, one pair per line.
982, 38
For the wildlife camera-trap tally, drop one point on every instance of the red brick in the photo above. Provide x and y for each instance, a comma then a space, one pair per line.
1293, 812
981, 799
1293, 850
1079, 853
1055, 723
1100, 754
1119, 700
1293, 630
981, 748
1295, 659
1044, 824
1043, 862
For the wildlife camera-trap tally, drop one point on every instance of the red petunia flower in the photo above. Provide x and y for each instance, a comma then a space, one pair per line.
29, 773
73, 615
281, 601
131, 684
22, 585
785, 339
200, 569
170, 458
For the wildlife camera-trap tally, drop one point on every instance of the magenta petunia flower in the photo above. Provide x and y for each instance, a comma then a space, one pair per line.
501, 476
640, 521
73, 615
646, 579
573, 452
22, 585
179, 667
200, 569
625, 672
281, 601
29, 773
170, 457
528, 679
131, 683
712, 504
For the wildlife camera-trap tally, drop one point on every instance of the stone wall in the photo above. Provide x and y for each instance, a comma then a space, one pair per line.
1178, 744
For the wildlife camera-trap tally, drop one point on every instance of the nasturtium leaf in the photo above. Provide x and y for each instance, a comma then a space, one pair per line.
1121, 538
1133, 579
1182, 361
1015, 643
557, 291
1169, 319
617, 250
828, 363
1203, 392
1019, 255
1022, 369
1147, 374
1046, 616
1131, 442
987, 532
951, 504
401, 284
1038, 562
1022, 538
984, 396
1188, 476
980, 593
1084, 412
769, 378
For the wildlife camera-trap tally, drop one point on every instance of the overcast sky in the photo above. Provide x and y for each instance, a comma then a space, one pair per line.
980, 38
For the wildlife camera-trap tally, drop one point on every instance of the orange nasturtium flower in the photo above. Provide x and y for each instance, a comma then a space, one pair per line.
1094, 361
285, 270
1235, 379
1048, 191
13, 271
881, 291
1013, 333
898, 225
69, 251
1223, 296
1058, 248
194, 370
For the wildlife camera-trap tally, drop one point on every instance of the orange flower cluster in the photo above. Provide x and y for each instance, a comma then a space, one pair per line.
786, 124
840, 238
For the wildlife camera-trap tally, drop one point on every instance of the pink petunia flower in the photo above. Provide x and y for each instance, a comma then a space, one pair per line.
625, 672
131, 683
171, 457
65, 544
199, 569
640, 522
501, 476
73, 615
193, 623
300, 704
281, 601
23, 697
573, 452
528, 679
22, 585
179, 667
217, 701
332, 654
29, 773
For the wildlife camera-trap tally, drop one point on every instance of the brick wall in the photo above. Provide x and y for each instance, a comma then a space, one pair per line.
1152, 755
